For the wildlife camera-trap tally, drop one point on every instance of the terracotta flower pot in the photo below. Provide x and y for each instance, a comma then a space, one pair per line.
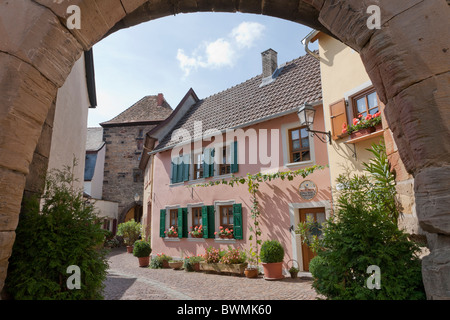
165, 264
251, 273
273, 271
130, 249
144, 261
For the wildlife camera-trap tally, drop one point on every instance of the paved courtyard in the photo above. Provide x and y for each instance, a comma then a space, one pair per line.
127, 281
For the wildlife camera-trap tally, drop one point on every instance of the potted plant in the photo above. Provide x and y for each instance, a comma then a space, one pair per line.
272, 254
192, 263
142, 251
251, 271
197, 232
293, 271
130, 231
225, 233
164, 260
172, 232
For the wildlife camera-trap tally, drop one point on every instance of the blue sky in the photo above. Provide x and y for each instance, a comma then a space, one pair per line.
209, 52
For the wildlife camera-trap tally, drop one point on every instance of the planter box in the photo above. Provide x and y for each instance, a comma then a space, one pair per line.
362, 132
220, 267
176, 265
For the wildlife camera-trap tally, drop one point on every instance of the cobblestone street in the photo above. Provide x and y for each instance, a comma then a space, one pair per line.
127, 281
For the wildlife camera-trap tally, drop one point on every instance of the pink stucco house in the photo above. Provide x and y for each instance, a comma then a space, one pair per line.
249, 128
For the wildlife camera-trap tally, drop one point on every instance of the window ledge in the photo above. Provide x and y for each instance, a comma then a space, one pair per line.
197, 239
299, 164
197, 181
172, 239
176, 184
365, 137
218, 240
224, 176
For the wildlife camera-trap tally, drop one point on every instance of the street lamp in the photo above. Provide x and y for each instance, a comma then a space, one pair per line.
306, 115
137, 197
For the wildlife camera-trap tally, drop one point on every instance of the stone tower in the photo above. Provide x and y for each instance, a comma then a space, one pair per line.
124, 137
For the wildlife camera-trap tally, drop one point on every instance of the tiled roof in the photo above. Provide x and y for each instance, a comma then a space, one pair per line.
298, 82
146, 109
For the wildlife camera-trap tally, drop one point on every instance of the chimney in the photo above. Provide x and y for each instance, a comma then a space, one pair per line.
269, 62
160, 99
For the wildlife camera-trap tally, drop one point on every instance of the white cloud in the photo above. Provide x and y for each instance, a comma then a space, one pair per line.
221, 52
247, 33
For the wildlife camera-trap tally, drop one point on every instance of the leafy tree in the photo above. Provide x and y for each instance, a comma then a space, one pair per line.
55, 231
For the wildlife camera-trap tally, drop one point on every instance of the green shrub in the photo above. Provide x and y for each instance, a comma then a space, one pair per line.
56, 231
272, 251
130, 231
142, 249
356, 239
364, 232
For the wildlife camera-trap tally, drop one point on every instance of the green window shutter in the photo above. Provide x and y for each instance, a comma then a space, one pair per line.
186, 165
237, 221
211, 220
208, 163
162, 223
180, 169
208, 221
174, 172
182, 223
211, 166
234, 157
205, 222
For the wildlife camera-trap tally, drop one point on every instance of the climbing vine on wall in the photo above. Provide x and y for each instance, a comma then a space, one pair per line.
253, 182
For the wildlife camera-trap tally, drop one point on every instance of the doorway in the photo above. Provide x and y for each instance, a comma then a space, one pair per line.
310, 214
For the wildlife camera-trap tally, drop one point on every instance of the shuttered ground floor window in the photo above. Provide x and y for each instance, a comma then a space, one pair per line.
206, 216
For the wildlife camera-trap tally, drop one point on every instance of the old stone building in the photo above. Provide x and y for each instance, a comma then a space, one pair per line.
124, 138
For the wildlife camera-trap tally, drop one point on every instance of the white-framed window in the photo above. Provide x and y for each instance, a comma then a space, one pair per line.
223, 216
194, 218
297, 145
171, 220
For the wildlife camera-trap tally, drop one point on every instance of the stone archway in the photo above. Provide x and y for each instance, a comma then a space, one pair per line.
407, 60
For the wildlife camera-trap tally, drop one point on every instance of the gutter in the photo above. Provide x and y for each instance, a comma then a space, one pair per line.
306, 42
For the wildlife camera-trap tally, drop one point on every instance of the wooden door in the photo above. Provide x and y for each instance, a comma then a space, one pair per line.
317, 215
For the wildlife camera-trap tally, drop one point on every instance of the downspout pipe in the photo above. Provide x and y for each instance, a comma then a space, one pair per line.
306, 42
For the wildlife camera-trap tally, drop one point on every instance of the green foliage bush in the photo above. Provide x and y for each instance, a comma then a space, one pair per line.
364, 232
272, 251
64, 232
130, 231
142, 249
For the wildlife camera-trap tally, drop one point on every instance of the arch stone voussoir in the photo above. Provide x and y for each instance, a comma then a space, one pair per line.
36, 36
97, 17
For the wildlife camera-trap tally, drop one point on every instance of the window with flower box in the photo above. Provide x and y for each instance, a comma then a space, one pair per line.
363, 111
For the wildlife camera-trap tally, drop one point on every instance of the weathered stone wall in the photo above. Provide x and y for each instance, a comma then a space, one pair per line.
407, 60
121, 158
